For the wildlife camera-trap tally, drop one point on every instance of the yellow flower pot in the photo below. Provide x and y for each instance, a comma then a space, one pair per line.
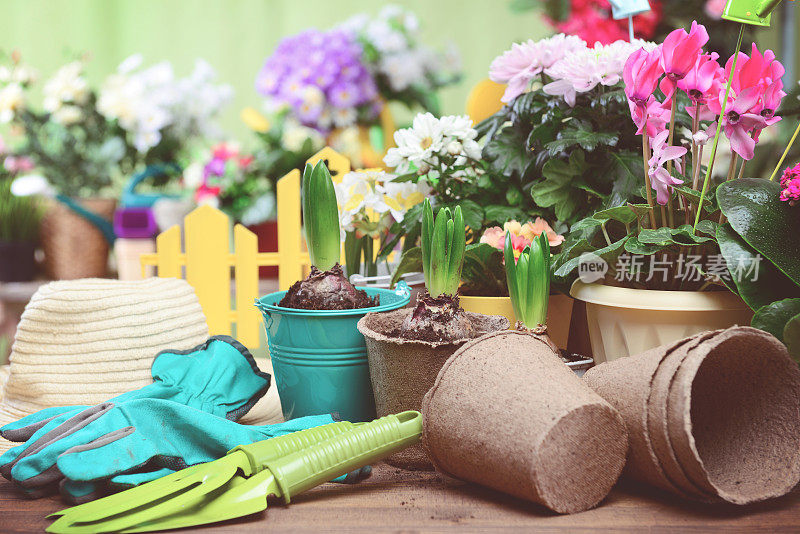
624, 321
559, 313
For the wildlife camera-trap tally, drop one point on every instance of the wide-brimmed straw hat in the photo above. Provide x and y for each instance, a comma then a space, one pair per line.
82, 342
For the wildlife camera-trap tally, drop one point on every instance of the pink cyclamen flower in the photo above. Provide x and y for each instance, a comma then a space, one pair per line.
661, 180
653, 115
641, 73
757, 70
703, 79
680, 51
740, 122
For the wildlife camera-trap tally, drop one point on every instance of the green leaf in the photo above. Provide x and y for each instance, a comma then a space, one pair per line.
665, 236
757, 291
634, 246
508, 152
410, 262
623, 214
321, 216
586, 139
482, 265
709, 202
627, 173
708, 227
500, 214
773, 317
754, 210
791, 336
557, 187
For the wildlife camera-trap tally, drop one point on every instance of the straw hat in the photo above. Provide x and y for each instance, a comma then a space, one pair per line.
82, 342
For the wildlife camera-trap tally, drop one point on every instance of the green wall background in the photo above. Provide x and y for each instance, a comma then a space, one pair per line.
236, 36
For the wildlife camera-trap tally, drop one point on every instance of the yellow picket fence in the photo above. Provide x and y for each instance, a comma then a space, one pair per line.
208, 258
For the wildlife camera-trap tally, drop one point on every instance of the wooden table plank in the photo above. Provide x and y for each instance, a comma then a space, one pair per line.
393, 500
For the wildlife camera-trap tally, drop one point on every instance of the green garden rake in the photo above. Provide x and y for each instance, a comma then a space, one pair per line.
239, 483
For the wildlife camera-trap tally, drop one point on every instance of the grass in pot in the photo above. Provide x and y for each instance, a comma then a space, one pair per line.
19, 234
318, 355
407, 348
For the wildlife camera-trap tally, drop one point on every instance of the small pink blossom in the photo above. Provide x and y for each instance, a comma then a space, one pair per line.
660, 179
790, 184
704, 78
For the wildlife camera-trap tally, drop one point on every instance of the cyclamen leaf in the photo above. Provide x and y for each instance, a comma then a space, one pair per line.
586, 139
775, 316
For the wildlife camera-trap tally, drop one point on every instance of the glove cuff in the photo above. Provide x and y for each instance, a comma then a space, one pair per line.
219, 376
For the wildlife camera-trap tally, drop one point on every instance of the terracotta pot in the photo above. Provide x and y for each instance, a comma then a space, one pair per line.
17, 263
74, 247
559, 313
624, 321
403, 370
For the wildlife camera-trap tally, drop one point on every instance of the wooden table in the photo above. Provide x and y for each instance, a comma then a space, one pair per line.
396, 500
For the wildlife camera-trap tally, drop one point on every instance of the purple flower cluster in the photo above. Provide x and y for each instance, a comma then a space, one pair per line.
321, 77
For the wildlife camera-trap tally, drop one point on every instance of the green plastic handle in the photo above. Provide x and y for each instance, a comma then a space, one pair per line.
363, 445
262, 453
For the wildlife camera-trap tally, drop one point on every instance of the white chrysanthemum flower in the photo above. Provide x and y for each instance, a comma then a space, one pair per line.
582, 71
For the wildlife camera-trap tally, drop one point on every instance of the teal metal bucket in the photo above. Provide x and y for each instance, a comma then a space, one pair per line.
319, 357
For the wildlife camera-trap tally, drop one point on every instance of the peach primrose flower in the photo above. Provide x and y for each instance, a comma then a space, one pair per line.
521, 235
539, 226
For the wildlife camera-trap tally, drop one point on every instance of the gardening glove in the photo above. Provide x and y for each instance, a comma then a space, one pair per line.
135, 437
218, 377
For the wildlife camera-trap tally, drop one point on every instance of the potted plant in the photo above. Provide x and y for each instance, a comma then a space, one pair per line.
318, 355
407, 348
19, 235
485, 290
652, 271
528, 282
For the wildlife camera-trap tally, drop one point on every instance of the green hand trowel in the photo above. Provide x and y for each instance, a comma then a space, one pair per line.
239, 483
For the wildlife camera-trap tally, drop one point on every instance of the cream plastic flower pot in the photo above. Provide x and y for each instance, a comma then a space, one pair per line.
624, 321
559, 313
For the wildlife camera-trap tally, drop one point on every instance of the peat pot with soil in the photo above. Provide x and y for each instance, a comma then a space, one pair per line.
408, 347
318, 356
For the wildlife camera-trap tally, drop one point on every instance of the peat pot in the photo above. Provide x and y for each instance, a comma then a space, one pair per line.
624, 321
559, 313
319, 357
403, 370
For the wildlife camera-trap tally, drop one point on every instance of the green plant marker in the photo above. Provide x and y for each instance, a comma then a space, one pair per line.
321, 216
719, 130
752, 12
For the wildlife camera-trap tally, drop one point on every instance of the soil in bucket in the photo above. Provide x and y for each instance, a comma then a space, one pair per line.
327, 290
407, 348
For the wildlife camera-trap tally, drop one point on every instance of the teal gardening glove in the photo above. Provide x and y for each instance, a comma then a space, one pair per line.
140, 440
219, 377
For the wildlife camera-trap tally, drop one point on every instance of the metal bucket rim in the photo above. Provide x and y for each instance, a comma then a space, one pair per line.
265, 304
